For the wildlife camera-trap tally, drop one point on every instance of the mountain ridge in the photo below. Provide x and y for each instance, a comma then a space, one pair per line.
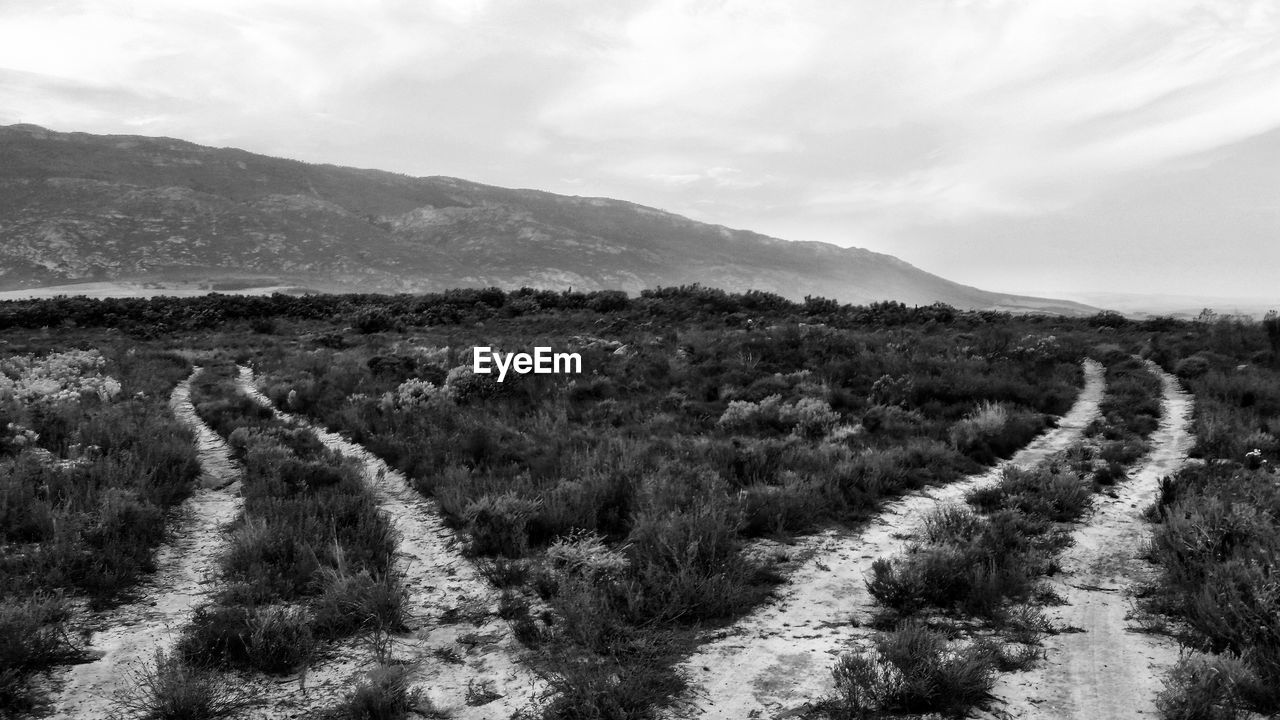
78, 207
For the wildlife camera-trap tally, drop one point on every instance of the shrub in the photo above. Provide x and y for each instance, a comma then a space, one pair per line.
372, 320
34, 636
271, 559
270, 639
950, 524
914, 670
809, 417
976, 578
793, 507
1192, 367
686, 565
585, 553
743, 415
498, 524
1205, 687
628, 683
386, 695
168, 689
352, 602
1046, 492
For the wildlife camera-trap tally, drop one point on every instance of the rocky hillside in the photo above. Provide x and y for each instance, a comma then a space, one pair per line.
76, 208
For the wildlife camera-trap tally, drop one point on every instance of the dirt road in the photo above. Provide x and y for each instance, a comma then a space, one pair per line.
130, 634
778, 659
467, 661
1108, 668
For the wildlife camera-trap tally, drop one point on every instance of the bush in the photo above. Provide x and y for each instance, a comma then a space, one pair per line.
270, 639
1192, 367
386, 695
34, 636
372, 320
912, 670
625, 685
1046, 492
976, 578
352, 602
1205, 687
168, 689
950, 524
498, 524
686, 565
1216, 548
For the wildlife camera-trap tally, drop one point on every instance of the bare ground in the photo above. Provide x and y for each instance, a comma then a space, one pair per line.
466, 660
1107, 666
777, 660
129, 635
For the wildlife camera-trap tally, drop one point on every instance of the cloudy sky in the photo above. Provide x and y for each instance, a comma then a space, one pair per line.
1040, 146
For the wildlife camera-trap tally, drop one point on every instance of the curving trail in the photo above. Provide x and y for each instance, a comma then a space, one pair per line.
130, 634
467, 662
777, 660
1108, 668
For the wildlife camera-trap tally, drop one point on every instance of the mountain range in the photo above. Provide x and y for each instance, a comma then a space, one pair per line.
79, 208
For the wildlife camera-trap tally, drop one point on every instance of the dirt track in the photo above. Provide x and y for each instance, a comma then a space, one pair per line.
130, 634
778, 659
454, 608
1112, 669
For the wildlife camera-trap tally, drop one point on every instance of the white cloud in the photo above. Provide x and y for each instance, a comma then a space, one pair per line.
838, 120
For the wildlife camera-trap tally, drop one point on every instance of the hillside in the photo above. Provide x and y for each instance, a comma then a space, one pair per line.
76, 207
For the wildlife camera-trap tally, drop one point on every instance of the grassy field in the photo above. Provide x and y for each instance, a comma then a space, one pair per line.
621, 514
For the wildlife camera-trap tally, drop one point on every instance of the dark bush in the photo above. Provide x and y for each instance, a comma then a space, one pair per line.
166, 688
912, 670
498, 524
386, 695
269, 639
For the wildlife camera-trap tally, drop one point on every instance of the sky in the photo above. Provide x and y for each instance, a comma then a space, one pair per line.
1039, 146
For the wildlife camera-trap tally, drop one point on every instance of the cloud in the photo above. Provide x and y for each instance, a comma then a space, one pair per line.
852, 121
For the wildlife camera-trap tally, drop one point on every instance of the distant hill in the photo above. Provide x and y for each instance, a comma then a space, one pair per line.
78, 208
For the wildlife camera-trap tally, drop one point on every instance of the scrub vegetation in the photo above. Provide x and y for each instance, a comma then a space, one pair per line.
1216, 537
91, 461
620, 512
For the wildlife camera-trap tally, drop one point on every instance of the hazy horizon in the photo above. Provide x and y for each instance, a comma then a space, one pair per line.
1055, 148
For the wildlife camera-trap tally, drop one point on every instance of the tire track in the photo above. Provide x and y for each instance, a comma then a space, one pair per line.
467, 661
1112, 669
185, 565
777, 660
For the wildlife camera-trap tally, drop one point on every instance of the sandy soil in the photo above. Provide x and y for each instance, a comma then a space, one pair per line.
1107, 667
778, 659
130, 634
466, 660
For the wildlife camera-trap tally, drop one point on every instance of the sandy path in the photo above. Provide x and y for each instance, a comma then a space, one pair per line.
459, 663
130, 634
1112, 669
778, 659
